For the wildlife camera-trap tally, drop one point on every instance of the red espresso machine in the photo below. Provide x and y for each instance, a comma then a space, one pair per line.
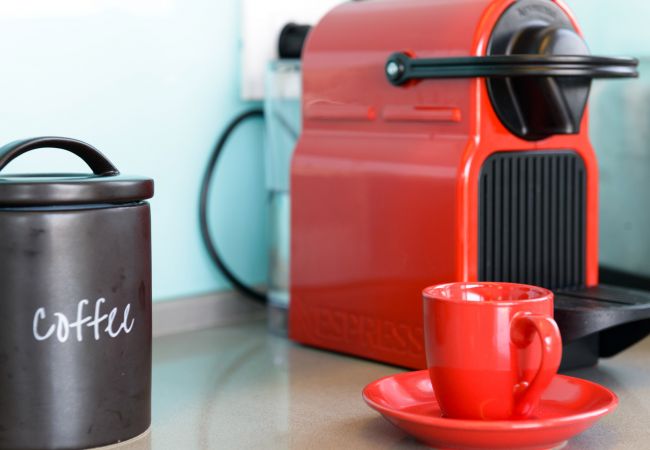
447, 141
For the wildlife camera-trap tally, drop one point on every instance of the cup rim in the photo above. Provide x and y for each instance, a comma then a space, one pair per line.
434, 292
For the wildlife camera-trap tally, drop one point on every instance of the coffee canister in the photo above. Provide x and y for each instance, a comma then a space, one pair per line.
75, 303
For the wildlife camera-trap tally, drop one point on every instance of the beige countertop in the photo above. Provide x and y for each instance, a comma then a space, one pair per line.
239, 387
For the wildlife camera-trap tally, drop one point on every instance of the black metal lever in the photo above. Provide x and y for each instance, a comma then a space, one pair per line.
401, 68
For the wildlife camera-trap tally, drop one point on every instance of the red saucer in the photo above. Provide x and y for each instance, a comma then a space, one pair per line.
567, 408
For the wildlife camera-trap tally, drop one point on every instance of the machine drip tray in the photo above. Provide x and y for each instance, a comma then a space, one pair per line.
600, 321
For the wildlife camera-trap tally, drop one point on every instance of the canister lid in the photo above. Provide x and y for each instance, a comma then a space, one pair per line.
104, 185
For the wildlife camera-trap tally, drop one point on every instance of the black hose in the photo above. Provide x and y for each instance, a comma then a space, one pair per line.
203, 209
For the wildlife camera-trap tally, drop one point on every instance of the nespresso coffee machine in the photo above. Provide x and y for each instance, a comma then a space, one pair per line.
447, 141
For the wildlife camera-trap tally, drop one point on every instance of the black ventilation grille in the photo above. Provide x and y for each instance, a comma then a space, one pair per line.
532, 208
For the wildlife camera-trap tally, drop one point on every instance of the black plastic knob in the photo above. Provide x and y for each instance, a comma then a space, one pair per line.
534, 108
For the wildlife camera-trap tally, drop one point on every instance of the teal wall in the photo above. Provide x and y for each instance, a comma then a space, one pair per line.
151, 84
614, 27
620, 131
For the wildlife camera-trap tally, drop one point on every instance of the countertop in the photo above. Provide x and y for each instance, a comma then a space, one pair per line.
239, 387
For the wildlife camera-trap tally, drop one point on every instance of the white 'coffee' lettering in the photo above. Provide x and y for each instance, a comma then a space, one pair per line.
61, 325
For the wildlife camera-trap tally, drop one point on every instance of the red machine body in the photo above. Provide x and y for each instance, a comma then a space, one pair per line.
385, 179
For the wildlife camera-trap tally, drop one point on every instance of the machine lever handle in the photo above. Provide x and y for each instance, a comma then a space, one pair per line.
401, 68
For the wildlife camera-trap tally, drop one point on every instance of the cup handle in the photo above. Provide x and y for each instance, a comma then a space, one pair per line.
522, 330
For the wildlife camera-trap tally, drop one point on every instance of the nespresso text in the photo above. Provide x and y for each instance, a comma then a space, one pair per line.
360, 330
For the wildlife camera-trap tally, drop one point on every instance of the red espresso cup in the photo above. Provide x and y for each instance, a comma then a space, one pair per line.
492, 348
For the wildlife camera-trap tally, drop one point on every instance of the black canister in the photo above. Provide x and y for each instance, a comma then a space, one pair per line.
75, 308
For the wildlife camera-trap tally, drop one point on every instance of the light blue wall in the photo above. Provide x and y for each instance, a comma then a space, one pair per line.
151, 84
612, 27
620, 131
